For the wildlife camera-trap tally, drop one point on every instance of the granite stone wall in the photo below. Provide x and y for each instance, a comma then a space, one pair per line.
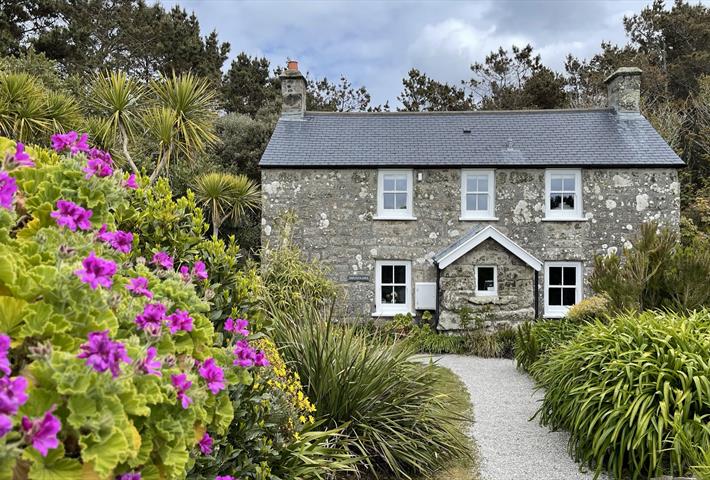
335, 209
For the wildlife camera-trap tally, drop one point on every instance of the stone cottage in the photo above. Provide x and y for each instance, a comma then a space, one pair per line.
499, 211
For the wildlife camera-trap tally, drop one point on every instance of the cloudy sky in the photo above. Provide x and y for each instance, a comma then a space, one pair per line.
375, 43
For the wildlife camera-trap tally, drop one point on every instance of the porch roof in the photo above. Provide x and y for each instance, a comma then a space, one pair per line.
474, 238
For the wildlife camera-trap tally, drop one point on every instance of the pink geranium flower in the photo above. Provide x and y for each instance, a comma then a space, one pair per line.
102, 353
205, 444
199, 270
245, 354
96, 271
4, 350
180, 320
130, 182
260, 359
119, 240
149, 365
21, 157
69, 214
13, 394
42, 432
214, 376
225, 477
8, 187
185, 273
99, 164
129, 476
139, 286
239, 326
182, 385
152, 318
163, 260
70, 140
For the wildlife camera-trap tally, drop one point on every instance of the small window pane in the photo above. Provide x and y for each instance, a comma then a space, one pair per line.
555, 296
387, 273
400, 274
471, 183
471, 202
389, 183
556, 184
483, 202
400, 294
388, 294
483, 184
401, 184
555, 276
486, 279
555, 202
569, 184
568, 202
568, 296
388, 201
570, 275
400, 201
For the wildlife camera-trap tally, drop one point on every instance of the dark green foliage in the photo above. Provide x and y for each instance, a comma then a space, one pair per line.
626, 388
534, 340
324, 95
242, 141
422, 93
658, 272
506, 338
390, 409
424, 340
248, 86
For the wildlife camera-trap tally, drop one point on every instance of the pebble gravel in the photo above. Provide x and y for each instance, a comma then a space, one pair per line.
510, 445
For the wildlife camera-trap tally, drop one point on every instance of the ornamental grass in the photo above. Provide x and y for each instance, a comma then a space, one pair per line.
633, 393
390, 410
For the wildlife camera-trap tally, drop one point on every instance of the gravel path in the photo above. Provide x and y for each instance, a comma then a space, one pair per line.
510, 446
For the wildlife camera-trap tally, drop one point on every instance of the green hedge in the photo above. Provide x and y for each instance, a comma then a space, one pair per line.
625, 389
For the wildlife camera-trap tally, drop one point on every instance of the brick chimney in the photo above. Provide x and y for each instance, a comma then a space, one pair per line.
624, 90
293, 91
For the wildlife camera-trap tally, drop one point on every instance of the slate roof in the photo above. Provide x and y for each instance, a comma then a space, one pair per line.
594, 137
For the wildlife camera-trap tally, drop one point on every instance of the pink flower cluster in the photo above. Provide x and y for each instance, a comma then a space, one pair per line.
163, 260
21, 158
205, 444
99, 164
139, 286
182, 385
247, 356
8, 188
69, 214
97, 271
153, 316
199, 271
130, 182
129, 476
119, 240
41, 433
238, 326
102, 353
149, 365
214, 376
71, 141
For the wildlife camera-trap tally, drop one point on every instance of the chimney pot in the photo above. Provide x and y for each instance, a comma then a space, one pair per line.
293, 92
624, 90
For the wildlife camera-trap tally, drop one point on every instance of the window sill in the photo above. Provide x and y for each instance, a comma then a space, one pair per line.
563, 219
478, 219
484, 294
384, 217
390, 314
554, 316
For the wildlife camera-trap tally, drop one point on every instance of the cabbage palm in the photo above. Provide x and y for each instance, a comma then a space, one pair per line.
29, 111
116, 98
191, 104
226, 197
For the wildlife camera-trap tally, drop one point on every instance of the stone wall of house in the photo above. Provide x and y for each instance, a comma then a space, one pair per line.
335, 209
515, 299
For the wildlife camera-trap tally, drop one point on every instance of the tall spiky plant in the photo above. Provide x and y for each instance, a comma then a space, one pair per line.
226, 197
116, 98
192, 104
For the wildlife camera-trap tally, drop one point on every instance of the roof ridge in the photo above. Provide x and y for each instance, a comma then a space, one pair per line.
463, 112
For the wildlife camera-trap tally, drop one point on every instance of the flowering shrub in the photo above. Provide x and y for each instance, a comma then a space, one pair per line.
108, 363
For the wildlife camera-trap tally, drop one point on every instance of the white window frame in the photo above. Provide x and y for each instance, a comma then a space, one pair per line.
568, 215
487, 293
559, 311
389, 214
488, 214
389, 309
